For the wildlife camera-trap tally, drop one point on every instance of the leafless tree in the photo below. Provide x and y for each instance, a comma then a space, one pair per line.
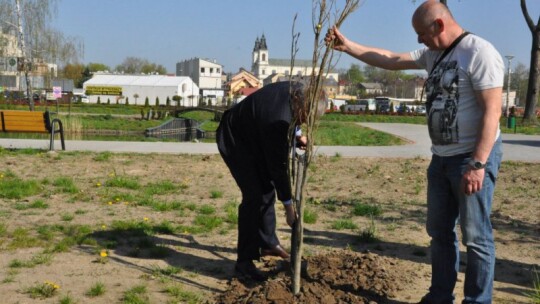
325, 15
520, 78
533, 86
29, 20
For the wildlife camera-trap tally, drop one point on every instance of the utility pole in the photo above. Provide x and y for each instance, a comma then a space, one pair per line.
25, 61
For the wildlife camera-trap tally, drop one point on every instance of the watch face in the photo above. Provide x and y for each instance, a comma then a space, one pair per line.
479, 165
476, 164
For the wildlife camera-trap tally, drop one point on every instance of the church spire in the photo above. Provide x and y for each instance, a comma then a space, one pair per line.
263, 43
257, 44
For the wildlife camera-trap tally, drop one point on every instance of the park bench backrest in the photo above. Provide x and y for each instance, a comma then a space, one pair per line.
25, 121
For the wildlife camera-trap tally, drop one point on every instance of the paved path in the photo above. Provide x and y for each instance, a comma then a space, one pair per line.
516, 147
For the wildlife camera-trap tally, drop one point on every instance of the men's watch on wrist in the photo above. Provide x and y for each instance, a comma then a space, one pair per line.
476, 165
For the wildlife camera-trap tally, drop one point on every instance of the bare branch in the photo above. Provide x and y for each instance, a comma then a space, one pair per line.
528, 19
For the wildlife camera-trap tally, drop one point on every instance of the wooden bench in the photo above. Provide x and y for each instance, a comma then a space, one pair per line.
32, 122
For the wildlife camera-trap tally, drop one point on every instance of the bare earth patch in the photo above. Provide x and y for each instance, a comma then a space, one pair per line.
336, 277
165, 222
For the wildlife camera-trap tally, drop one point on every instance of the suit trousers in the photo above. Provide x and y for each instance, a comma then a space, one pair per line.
256, 213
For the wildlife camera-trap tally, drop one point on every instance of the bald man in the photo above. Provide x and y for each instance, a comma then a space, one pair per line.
463, 93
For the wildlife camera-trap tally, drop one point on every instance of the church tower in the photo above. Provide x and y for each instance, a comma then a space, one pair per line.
259, 64
263, 51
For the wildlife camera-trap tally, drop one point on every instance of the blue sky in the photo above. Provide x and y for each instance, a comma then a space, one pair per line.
168, 31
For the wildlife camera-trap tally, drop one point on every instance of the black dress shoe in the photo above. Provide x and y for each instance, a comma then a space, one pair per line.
276, 251
425, 300
248, 269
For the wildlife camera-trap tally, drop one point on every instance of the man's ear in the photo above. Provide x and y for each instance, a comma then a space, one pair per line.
439, 25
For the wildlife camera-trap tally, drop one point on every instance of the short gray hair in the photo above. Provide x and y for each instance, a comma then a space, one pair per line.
298, 94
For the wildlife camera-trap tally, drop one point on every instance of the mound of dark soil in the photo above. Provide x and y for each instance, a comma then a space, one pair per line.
339, 277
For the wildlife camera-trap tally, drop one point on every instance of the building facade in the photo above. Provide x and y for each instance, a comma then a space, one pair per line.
263, 66
239, 82
12, 76
136, 89
207, 74
329, 85
371, 88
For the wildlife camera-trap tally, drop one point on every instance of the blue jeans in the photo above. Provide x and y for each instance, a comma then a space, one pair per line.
446, 204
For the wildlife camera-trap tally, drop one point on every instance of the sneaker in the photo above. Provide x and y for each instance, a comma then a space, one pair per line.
248, 269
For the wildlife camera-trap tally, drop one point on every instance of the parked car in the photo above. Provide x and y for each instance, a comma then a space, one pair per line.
421, 109
384, 109
402, 109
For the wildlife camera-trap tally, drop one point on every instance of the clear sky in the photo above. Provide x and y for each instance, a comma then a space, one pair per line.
169, 31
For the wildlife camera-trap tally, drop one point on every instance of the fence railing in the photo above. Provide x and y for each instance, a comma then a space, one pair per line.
179, 128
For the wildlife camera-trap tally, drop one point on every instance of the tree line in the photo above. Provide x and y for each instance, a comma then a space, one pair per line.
80, 73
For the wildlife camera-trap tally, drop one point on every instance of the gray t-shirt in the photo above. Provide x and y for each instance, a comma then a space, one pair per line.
453, 113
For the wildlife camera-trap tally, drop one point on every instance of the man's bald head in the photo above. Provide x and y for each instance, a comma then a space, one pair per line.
435, 25
431, 10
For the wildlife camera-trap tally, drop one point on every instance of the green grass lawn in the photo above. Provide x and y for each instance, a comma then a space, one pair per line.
374, 118
337, 133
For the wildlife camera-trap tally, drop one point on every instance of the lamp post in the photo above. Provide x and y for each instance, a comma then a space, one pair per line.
509, 58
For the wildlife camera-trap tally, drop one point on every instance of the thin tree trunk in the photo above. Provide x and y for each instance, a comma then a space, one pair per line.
26, 63
298, 228
533, 86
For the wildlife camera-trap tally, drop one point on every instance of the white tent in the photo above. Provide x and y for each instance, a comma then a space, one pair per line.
137, 88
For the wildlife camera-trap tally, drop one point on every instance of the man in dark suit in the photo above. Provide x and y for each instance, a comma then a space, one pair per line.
253, 139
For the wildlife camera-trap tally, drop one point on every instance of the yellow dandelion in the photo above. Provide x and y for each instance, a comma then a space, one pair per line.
52, 285
103, 227
98, 184
117, 199
103, 253
110, 203
146, 219
126, 203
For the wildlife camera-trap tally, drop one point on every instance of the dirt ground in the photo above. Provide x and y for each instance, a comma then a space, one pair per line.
380, 259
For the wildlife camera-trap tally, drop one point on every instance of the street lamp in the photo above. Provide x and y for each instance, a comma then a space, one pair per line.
509, 57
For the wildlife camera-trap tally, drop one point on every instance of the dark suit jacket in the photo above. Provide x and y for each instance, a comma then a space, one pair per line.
258, 127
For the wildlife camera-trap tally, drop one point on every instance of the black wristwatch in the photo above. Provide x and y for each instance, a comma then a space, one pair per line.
476, 165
